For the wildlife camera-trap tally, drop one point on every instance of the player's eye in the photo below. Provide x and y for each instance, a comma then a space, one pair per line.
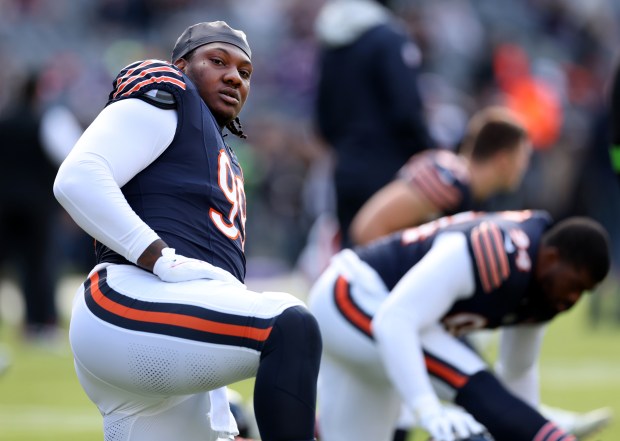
245, 74
217, 61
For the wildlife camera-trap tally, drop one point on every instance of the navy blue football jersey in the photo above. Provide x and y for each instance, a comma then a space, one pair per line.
503, 248
193, 194
442, 177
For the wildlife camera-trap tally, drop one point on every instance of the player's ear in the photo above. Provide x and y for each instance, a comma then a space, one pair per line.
505, 162
181, 63
505, 157
548, 255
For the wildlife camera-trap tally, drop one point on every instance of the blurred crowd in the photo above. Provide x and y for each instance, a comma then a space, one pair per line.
549, 60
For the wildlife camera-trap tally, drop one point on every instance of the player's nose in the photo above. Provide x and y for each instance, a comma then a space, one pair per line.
232, 77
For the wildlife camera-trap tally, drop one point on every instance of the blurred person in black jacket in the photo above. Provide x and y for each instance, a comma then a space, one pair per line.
368, 106
614, 123
28, 212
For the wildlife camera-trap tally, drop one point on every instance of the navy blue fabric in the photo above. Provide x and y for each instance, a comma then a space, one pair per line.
515, 300
286, 378
178, 194
505, 416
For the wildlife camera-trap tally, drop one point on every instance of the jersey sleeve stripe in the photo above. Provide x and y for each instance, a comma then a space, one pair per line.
151, 81
349, 309
500, 251
487, 244
441, 195
174, 319
147, 72
495, 253
133, 71
444, 372
139, 84
480, 258
122, 84
490, 256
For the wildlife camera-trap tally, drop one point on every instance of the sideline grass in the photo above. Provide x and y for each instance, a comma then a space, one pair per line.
41, 400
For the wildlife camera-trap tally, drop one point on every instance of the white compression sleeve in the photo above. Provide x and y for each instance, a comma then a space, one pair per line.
517, 364
123, 140
417, 302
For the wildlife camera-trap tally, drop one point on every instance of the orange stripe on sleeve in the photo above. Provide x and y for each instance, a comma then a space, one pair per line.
141, 84
441, 195
146, 72
486, 239
131, 71
480, 260
490, 255
500, 252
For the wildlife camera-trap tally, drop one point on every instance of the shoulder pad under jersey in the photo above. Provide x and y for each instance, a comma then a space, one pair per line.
159, 98
142, 76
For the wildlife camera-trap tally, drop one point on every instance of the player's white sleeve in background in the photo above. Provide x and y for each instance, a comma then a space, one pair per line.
415, 305
517, 363
123, 140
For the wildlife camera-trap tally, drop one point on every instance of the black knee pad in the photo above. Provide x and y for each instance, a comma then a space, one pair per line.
285, 388
295, 341
295, 326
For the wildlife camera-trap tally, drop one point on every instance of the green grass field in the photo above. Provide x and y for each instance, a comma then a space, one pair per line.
40, 398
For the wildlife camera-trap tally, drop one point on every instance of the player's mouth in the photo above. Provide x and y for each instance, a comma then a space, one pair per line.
230, 96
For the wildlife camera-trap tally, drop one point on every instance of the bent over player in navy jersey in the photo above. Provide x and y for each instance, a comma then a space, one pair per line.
164, 322
391, 313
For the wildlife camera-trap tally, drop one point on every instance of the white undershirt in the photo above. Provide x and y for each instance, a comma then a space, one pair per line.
123, 140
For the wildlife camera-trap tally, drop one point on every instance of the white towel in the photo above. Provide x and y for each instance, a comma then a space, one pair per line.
222, 420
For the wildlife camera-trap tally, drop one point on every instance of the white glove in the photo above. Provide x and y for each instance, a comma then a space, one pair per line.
171, 267
446, 423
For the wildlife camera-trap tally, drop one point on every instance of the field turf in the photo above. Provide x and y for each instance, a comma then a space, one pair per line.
41, 400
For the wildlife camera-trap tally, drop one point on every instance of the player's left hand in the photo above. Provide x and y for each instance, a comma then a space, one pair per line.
446, 423
172, 267
464, 425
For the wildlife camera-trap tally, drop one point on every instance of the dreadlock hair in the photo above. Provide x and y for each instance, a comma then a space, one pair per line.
234, 126
491, 130
581, 242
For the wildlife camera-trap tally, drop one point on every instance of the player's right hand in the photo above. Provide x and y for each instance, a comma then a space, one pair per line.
449, 423
171, 267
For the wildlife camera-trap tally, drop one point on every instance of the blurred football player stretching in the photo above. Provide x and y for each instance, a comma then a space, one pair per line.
391, 313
